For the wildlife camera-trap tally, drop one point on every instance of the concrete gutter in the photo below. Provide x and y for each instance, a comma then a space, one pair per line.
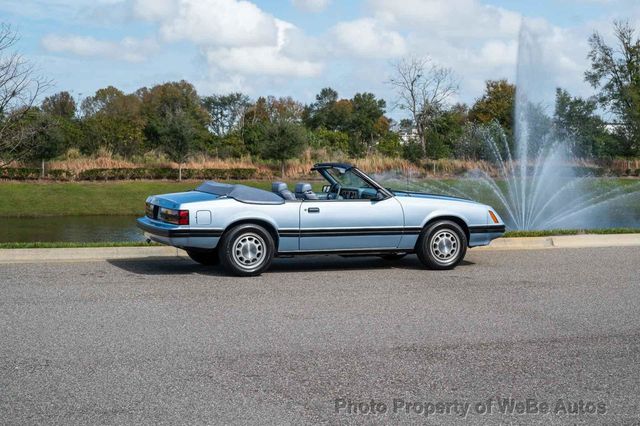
564, 241
101, 254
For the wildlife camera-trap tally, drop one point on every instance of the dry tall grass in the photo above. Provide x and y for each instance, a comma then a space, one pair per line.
300, 167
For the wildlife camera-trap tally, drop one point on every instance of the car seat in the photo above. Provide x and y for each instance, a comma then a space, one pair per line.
282, 190
304, 192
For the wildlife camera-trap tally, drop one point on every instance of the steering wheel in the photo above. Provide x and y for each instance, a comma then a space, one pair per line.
334, 191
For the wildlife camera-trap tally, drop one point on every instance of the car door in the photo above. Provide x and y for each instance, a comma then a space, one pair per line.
327, 225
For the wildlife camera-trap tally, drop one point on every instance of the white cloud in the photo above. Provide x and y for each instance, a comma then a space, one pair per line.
152, 10
452, 18
212, 22
127, 49
235, 37
263, 60
367, 38
311, 5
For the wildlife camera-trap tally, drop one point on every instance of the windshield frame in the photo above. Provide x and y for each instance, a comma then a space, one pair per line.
324, 172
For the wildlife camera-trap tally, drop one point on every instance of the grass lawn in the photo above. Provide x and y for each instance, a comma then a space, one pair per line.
32, 199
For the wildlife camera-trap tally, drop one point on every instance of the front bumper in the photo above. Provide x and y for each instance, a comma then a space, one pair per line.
483, 235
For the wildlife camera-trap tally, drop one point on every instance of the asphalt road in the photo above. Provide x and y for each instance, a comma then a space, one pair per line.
169, 341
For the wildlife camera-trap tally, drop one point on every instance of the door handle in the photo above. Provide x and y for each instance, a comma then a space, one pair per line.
314, 210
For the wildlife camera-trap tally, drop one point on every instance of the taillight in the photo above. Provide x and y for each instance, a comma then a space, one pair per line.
177, 217
183, 217
148, 210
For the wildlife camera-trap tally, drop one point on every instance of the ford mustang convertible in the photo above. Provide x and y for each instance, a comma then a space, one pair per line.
244, 228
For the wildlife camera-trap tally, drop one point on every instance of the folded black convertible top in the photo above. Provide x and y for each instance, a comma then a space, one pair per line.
242, 193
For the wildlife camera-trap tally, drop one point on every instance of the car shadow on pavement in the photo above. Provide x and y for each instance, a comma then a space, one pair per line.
339, 263
178, 266
165, 266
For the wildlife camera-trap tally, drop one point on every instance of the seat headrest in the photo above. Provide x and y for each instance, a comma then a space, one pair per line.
279, 187
303, 187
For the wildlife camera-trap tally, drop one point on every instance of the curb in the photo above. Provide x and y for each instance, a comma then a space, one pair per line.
564, 241
106, 253
86, 254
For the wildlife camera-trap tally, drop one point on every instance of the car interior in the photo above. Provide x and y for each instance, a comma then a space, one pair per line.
343, 184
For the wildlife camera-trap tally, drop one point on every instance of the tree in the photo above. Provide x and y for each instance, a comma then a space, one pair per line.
113, 120
575, 120
389, 145
367, 120
20, 86
446, 129
283, 140
163, 106
226, 112
177, 134
423, 89
615, 71
61, 104
329, 112
496, 104
317, 114
332, 140
48, 139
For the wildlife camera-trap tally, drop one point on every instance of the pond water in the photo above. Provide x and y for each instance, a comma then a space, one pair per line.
71, 228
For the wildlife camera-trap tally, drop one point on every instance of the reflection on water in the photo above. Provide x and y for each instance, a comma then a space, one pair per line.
72, 228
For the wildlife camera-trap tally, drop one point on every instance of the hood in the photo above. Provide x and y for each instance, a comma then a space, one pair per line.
431, 196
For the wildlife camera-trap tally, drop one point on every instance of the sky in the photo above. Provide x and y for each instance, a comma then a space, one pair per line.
296, 47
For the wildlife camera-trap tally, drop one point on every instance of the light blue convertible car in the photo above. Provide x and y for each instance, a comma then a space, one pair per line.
244, 228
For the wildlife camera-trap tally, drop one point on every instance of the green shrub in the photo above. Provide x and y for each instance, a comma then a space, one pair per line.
582, 171
62, 175
165, 173
21, 173
412, 151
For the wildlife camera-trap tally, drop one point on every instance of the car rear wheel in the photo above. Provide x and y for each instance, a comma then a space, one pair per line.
442, 245
204, 257
247, 250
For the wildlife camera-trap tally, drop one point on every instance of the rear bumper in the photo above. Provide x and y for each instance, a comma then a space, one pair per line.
179, 236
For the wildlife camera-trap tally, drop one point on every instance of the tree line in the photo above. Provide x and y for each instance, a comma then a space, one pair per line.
174, 120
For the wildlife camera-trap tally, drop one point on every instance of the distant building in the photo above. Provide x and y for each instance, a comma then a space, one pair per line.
408, 134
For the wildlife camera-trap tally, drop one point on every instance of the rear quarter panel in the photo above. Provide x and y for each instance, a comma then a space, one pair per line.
282, 217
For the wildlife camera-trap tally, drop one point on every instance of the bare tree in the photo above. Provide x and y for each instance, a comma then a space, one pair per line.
19, 89
423, 89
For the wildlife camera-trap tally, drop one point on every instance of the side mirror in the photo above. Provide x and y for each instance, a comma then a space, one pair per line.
326, 188
379, 196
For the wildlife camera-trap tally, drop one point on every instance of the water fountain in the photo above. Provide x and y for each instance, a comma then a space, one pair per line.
539, 184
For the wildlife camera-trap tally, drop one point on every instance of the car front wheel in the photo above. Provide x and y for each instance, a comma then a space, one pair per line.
247, 250
442, 245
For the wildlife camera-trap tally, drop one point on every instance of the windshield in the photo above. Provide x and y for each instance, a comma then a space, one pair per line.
347, 179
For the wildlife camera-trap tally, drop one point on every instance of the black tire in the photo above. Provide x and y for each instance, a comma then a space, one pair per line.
393, 256
246, 250
204, 257
442, 245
